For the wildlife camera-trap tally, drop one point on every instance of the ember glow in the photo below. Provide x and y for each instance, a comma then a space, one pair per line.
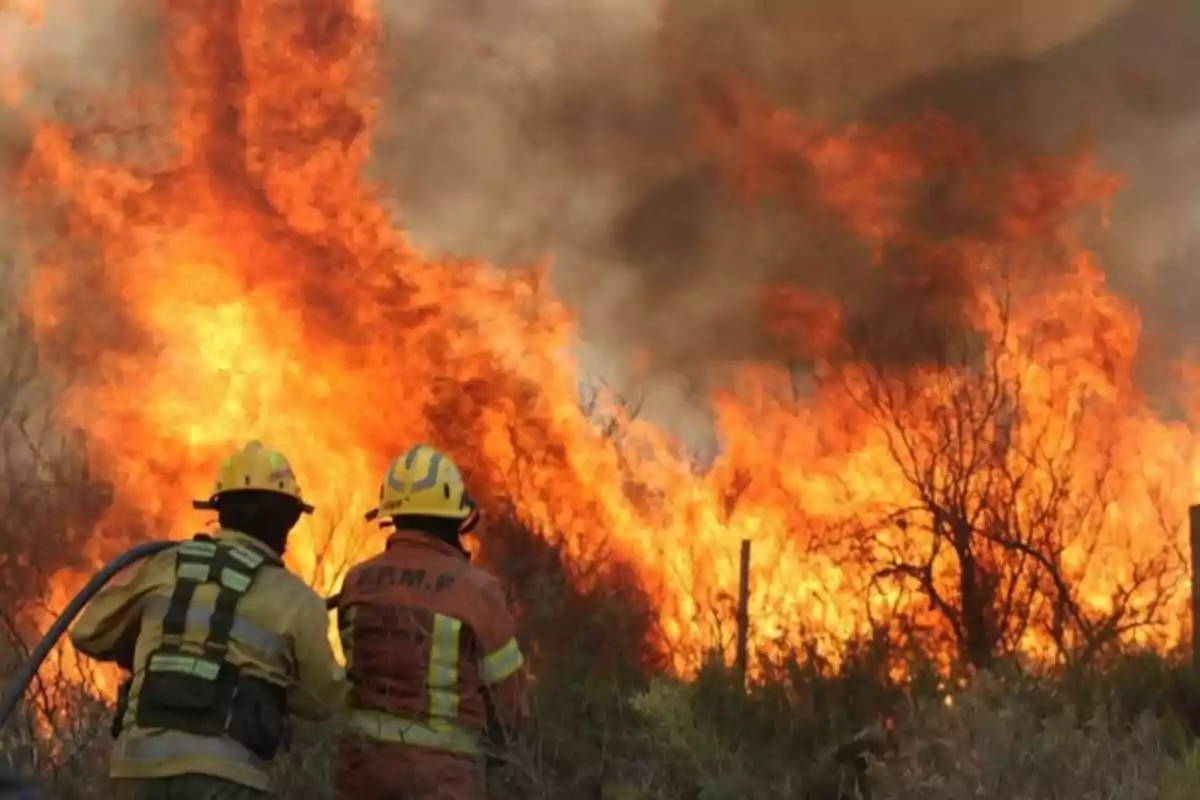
255, 286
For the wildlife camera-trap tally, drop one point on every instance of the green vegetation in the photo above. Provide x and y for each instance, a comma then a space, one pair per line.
611, 724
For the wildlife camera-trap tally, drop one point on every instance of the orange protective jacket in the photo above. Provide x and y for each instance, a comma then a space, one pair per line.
433, 663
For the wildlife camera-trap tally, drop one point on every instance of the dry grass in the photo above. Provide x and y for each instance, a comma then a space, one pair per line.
1011, 738
611, 725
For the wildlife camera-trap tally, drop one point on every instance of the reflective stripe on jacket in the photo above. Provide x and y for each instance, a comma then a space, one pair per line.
425, 633
280, 634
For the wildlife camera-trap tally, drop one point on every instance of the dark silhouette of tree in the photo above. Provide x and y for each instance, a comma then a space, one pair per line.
1008, 462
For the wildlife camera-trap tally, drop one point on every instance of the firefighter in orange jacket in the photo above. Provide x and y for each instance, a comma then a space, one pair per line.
431, 649
223, 642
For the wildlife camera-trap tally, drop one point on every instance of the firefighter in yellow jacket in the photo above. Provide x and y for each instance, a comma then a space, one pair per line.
223, 643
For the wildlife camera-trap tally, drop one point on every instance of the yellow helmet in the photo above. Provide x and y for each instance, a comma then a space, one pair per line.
255, 467
423, 482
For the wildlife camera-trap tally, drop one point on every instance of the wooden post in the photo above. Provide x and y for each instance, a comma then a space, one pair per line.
743, 611
1194, 531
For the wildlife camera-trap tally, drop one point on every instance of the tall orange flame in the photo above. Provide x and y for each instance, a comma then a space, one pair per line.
255, 286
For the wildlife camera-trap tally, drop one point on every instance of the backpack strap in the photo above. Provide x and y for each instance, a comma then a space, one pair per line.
183, 690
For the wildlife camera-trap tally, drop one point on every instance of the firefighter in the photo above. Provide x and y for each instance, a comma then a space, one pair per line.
430, 645
223, 644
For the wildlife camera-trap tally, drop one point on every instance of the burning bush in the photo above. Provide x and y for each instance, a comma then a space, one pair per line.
935, 442
963, 453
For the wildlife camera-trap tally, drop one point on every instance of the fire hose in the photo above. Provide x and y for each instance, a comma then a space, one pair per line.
20, 683
16, 689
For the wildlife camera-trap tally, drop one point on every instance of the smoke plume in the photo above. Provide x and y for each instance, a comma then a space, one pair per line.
532, 127
518, 129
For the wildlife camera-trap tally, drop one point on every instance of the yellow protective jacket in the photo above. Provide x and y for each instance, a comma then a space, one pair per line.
280, 634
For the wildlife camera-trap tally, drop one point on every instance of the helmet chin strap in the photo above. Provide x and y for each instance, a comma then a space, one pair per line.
470, 523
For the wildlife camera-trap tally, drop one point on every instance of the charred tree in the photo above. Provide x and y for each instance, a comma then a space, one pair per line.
1008, 484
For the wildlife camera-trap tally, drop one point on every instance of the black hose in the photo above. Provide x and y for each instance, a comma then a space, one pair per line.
16, 689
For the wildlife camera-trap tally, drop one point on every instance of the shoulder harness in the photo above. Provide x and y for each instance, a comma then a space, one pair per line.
188, 685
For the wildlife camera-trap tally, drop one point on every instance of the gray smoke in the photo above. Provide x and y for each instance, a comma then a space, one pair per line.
530, 127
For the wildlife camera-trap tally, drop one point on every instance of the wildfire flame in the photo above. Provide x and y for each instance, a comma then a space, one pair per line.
255, 286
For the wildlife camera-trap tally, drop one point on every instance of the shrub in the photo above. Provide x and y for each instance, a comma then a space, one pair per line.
993, 741
815, 736
611, 724
1180, 779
